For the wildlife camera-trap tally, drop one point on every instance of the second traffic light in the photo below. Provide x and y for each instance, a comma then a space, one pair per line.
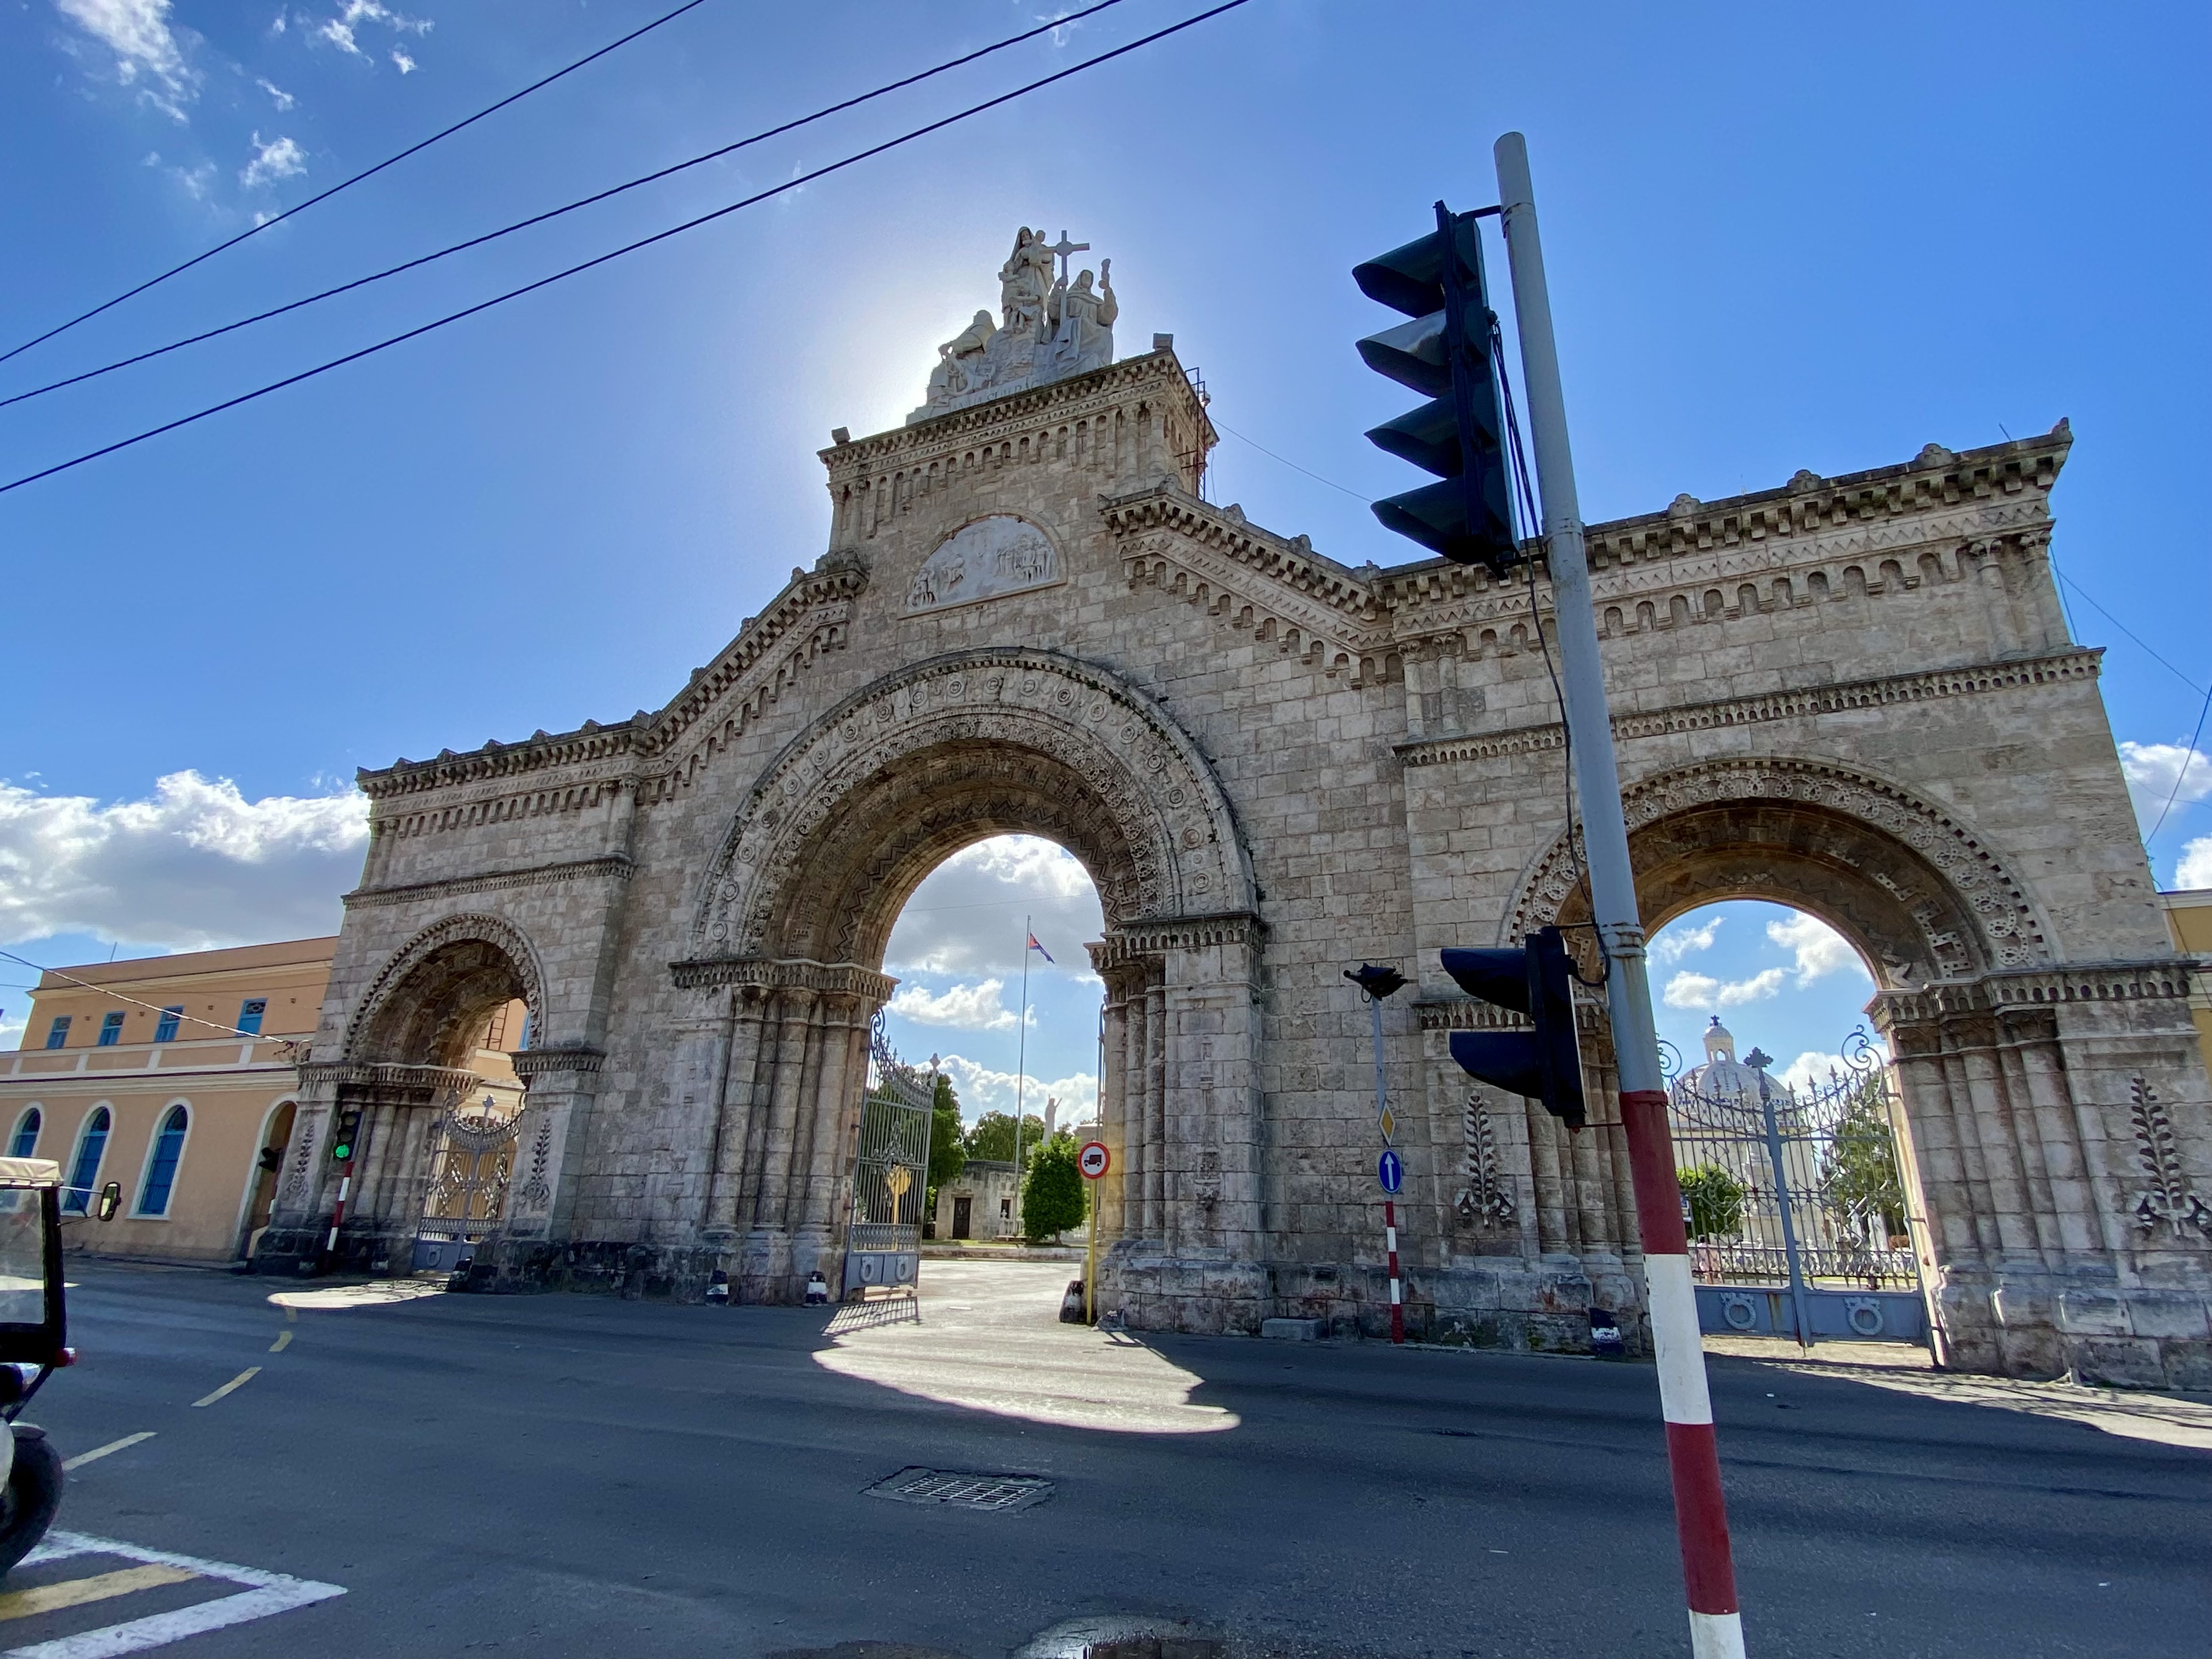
1444, 353
342, 1140
1537, 980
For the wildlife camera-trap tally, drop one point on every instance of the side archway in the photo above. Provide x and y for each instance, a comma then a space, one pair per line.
419, 1008
1923, 898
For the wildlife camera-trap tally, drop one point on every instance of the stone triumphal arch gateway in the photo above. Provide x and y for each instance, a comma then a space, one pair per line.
1856, 695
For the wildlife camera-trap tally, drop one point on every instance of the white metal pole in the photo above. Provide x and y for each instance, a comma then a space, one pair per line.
1693, 1457
1021, 1073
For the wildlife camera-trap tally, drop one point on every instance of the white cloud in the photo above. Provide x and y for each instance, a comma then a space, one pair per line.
1703, 991
148, 54
406, 63
2151, 770
193, 866
2195, 869
339, 30
282, 99
983, 1089
1813, 1069
966, 918
280, 158
964, 1008
1675, 941
1821, 950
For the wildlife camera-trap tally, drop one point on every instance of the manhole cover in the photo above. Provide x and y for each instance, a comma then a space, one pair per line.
963, 1489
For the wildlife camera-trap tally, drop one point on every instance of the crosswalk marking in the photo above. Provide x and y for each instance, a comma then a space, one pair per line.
75, 1592
99, 1452
238, 1382
260, 1595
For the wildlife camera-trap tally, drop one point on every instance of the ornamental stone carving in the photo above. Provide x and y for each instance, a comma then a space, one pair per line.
984, 560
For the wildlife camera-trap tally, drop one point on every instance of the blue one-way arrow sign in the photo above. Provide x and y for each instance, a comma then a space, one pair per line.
1390, 1170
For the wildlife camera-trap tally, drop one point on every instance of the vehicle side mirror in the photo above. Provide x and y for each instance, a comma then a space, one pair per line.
110, 1200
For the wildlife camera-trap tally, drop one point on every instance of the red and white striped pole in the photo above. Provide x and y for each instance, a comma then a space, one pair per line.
1397, 1295
1692, 1454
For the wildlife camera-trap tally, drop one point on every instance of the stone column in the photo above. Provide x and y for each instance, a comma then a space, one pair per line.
543, 1204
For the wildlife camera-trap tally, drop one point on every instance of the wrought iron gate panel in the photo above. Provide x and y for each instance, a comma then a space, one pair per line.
469, 1155
1800, 1222
890, 1173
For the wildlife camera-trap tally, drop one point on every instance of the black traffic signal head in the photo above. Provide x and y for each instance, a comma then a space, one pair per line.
1377, 982
343, 1138
1445, 353
1537, 980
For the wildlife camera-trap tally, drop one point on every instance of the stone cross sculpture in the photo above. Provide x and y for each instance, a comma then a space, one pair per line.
1048, 329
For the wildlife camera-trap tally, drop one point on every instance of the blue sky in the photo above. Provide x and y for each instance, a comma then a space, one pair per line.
1775, 241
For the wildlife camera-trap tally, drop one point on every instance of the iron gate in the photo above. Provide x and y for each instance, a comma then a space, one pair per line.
890, 1174
471, 1157
1797, 1211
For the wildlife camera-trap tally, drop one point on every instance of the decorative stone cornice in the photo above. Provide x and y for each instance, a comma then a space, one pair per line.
387, 1075
1289, 562
615, 866
2164, 980
531, 1063
1155, 935
1801, 703
811, 612
1878, 508
1078, 396
784, 973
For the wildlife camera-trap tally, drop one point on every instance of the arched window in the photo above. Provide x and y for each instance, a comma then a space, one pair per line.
161, 1162
24, 1143
91, 1147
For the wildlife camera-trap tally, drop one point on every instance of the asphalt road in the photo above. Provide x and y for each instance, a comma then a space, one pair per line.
564, 1476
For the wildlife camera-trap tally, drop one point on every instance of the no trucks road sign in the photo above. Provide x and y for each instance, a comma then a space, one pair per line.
1093, 1159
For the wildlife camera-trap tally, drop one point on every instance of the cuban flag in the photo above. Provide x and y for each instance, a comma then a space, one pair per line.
1040, 949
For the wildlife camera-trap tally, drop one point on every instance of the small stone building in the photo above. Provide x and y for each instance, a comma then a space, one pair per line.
980, 1203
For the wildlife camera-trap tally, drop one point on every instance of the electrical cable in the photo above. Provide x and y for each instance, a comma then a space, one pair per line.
347, 184
2188, 755
1232, 432
1526, 500
2125, 630
555, 213
185, 1018
630, 248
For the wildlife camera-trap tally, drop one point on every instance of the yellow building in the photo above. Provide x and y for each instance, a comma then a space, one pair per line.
2189, 918
171, 1077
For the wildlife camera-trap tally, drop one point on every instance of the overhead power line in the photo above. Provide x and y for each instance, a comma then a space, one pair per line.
555, 213
348, 184
628, 247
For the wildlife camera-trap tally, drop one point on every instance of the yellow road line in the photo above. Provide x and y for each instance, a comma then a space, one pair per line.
76, 1592
283, 1341
238, 1382
97, 1452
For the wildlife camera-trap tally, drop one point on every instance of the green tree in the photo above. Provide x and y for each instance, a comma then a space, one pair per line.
948, 1143
1860, 1172
1052, 1199
1716, 1200
993, 1137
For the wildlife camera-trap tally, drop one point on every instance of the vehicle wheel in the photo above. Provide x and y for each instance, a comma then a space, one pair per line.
33, 1494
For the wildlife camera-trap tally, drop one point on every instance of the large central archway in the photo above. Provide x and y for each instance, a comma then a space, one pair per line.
799, 903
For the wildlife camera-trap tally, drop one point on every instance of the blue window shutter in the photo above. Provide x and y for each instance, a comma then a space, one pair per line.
161, 1167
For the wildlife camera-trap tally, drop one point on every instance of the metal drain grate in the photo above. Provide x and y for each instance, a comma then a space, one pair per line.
995, 1492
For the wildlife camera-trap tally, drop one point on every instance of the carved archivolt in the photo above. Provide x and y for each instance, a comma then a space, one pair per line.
442, 962
1006, 740
1807, 832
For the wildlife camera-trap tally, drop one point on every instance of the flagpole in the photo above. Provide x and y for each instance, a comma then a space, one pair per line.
1021, 1071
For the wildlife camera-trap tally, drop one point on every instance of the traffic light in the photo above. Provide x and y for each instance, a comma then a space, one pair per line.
1445, 354
342, 1142
1537, 980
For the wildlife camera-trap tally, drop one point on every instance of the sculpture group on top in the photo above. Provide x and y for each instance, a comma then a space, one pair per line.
1049, 328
